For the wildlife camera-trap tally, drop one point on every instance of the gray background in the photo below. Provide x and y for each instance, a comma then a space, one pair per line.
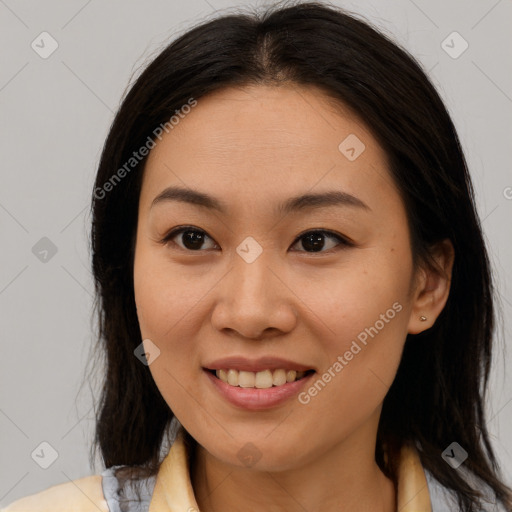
55, 113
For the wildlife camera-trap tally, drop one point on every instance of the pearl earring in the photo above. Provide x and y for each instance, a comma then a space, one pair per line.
423, 318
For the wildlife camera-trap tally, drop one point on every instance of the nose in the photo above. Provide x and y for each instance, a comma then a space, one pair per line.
254, 300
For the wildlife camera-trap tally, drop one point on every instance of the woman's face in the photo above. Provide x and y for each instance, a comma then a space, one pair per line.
257, 279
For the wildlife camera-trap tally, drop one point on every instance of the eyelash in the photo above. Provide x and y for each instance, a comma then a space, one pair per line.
343, 241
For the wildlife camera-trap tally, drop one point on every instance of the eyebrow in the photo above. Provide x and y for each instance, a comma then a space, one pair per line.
294, 204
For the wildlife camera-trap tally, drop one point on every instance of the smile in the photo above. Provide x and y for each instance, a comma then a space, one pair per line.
261, 380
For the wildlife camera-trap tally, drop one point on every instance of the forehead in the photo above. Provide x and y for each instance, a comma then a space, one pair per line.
266, 140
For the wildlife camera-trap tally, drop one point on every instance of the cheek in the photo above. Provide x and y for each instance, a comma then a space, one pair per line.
167, 313
165, 296
359, 293
366, 311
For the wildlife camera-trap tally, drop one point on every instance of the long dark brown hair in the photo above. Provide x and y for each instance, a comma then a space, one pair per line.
438, 394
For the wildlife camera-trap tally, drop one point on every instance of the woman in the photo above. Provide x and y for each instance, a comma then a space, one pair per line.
295, 298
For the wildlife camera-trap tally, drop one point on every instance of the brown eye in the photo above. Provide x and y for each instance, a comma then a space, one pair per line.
315, 241
188, 238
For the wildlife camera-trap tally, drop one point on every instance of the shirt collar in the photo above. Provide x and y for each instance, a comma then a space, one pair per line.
173, 489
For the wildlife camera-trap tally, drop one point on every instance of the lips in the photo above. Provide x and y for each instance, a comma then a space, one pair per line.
241, 363
255, 399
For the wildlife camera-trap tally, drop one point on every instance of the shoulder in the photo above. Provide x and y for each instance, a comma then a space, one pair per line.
81, 495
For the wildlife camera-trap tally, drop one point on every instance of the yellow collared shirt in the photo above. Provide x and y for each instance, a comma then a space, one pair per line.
171, 490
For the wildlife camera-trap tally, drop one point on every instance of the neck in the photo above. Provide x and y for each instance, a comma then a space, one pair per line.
345, 478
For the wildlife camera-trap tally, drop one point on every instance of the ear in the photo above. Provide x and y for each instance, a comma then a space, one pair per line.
432, 288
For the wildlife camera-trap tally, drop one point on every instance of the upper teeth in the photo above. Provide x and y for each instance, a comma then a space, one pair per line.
261, 380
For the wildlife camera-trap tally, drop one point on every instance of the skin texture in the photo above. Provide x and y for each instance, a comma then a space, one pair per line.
252, 148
